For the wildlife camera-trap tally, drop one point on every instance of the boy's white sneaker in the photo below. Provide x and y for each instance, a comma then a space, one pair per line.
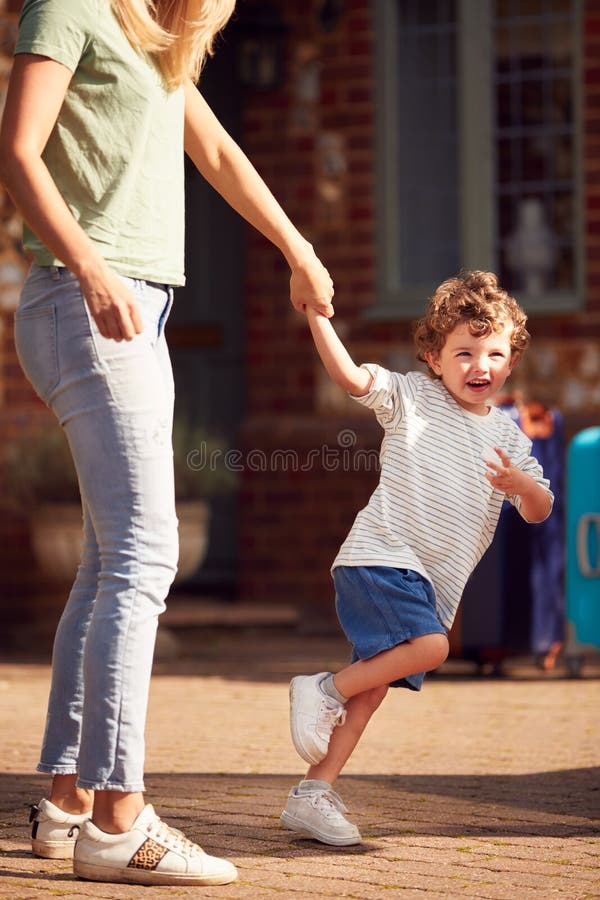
319, 813
151, 853
54, 832
313, 716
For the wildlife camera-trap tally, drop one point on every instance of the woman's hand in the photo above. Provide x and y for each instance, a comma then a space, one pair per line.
111, 303
311, 286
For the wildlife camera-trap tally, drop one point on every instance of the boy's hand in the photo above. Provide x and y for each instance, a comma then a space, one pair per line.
536, 501
505, 477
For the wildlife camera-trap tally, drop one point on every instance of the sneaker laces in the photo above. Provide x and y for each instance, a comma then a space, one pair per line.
172, 838
327, 802
331, 713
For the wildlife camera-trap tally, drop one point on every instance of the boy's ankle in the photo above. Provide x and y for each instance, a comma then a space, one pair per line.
327, 686
313, 784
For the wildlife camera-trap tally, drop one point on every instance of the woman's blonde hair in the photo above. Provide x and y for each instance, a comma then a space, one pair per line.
179, 34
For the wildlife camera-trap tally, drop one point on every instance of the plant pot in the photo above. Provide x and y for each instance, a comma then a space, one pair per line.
56, 533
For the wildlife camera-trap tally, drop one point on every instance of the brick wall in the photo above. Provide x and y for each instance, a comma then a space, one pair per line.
19, 408
318, 157
313, 140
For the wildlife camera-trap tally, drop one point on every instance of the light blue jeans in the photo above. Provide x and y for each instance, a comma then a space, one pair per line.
115, 403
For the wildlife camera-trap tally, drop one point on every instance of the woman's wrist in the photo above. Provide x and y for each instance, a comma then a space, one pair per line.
87, 268
299, 253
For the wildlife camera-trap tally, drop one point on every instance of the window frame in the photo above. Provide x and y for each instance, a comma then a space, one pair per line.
395, 300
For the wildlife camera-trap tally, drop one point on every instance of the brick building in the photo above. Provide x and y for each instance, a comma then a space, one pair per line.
406, 140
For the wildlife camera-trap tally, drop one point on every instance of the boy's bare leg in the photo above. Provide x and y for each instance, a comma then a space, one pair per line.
345, 738
365, 683
419, 655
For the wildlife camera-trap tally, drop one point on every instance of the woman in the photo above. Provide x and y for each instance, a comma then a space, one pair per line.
101, 104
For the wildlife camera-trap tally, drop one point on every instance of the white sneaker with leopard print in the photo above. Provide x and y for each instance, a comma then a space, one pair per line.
151, 853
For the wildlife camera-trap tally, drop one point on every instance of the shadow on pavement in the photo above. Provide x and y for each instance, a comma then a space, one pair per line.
559, 804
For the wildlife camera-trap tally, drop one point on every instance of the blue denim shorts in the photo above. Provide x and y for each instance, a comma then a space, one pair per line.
380, 607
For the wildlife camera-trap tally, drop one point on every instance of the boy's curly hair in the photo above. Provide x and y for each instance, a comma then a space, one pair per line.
473, 298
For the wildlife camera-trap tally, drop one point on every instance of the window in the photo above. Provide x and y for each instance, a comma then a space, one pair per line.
427, 182
478, 132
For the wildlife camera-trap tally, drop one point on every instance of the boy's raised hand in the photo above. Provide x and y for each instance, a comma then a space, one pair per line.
503, 476
536, 501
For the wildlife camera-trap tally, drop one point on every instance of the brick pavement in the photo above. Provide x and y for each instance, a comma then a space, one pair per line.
477, 788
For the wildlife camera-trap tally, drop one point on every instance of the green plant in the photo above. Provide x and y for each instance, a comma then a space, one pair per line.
38, 467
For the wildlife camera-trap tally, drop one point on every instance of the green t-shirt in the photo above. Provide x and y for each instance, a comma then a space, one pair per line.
116, 151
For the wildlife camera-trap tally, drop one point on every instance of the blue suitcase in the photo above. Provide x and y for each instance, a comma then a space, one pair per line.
583, 548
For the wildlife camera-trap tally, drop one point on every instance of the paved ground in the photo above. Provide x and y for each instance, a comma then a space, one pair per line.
478, 787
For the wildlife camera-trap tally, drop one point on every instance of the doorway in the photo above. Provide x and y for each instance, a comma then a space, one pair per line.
206, 326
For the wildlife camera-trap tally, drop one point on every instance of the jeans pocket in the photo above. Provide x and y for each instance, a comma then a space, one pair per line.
35, 342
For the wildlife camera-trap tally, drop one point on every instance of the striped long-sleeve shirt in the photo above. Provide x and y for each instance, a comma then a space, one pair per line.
433, 510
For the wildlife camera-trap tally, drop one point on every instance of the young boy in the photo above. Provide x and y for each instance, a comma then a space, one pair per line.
448, 461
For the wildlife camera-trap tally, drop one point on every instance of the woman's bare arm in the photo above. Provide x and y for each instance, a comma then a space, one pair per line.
219, 159
36, 92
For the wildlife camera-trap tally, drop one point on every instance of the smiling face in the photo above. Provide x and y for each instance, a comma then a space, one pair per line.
473, 368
